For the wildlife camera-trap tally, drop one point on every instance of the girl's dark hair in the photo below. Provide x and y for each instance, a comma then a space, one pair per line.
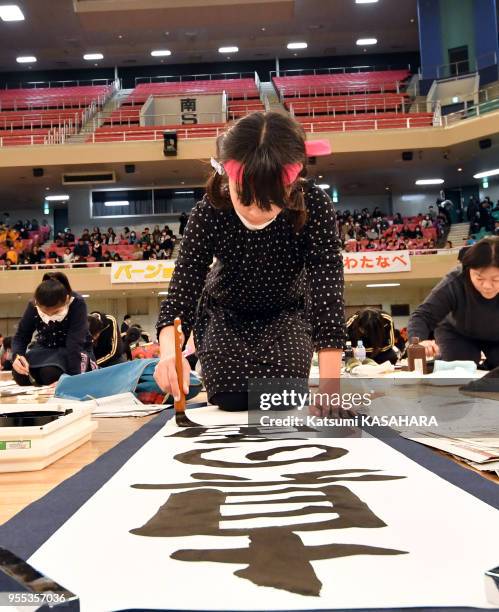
53, 290
263, 143
96, 323
7, 343
369, 326
482, 254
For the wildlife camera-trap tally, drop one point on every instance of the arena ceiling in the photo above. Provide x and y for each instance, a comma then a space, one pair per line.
60, 32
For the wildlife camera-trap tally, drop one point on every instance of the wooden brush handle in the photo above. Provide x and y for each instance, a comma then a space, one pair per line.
177, 326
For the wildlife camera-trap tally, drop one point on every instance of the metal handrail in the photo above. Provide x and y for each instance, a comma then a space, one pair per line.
57, 84
337, 69
107, 264
194, 77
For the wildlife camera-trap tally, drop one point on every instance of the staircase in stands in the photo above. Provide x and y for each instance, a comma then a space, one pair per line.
458, 232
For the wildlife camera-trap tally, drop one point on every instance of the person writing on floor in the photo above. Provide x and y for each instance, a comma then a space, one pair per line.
275, 290
375, 328
63, 344
462, 311
106, 339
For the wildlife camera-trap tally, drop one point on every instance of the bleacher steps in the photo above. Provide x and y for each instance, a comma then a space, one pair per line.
267, 91
458, 232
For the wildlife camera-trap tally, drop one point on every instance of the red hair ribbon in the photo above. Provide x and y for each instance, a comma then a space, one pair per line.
290, 172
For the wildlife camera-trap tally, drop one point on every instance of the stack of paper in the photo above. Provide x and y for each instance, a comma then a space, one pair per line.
120, 405
479, 450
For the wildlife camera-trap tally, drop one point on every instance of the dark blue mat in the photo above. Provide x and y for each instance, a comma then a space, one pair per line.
30, 528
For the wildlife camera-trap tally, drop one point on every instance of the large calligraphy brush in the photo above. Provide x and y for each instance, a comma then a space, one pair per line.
181, 418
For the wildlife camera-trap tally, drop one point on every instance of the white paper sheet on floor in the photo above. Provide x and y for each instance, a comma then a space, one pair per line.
450, 536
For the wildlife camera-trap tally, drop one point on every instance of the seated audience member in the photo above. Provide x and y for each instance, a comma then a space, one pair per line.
462, 310
37, 256
106, 339
125, 234
85, 237
370, 246
68, 256
397, 220
147, 252
400, 342
12, 255
96, 251
132, 239
375, 328
63, 345
145, 236
81, 249
55, 258
69, 237
6, 358
116, 257
448, 244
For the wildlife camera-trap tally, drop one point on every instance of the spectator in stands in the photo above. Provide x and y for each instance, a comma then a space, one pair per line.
184, 217
106, 339
59, 239
156, 233
35, 226
46, 227
432, 212
397, 220
85, 236
407, 232
370, 246
7, 265
132, 239
448, 244
55, 257
37, 256
95, 235
69, 237
461, 311
68, 256
96, 251
147, 252
11, 254
82, 249
63, 343
110, 237
145, 237
117, 257
125, 234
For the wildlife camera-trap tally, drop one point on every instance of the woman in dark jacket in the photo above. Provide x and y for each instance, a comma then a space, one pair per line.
462, 311
106, 339
63, 344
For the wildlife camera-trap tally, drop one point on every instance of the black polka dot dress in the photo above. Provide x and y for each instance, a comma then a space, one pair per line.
259, 301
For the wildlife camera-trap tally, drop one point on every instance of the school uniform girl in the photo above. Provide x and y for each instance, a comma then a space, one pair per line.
63, 343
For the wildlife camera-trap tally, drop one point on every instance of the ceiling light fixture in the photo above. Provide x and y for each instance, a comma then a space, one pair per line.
161, 53
11, 12
162, 292
228, 49
434, 181
26, 59
486, 173
117, 203
90, 57
297, 45
57, 198
366, 41
377, 285
365, 1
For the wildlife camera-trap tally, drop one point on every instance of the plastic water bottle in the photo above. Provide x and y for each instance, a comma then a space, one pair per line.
360, 351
